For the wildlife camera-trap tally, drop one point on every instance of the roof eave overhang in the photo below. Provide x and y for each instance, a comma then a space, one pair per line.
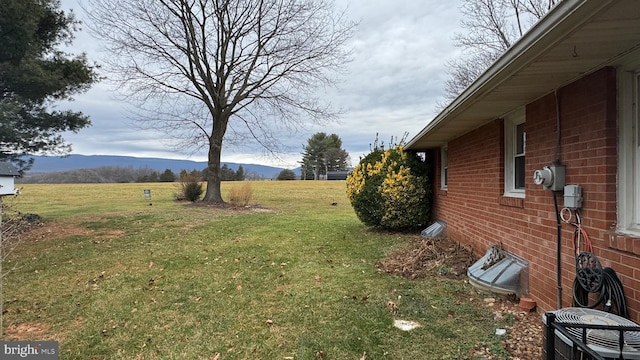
564, 20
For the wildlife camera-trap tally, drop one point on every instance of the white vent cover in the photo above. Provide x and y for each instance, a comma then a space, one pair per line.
604, 342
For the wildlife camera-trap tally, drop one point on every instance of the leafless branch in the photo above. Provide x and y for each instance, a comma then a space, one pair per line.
490, 28
211, 64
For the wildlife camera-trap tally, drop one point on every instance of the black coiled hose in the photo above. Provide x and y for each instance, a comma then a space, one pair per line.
611, 294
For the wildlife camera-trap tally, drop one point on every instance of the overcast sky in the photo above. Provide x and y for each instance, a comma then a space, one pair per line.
391, 87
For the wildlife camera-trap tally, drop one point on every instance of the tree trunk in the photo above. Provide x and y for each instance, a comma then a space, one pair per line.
213, 193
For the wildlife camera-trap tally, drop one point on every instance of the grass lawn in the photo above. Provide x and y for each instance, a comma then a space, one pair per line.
112, 275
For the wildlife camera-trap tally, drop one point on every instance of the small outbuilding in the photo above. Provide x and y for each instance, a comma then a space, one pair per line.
337, 175
7, 176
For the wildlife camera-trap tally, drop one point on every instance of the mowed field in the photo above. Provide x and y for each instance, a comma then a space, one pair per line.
113, 275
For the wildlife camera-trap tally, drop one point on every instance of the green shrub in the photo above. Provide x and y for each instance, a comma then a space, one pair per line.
390, 189
192, 191
191, 187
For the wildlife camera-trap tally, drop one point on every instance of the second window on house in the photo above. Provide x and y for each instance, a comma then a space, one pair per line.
444, 167
515, 148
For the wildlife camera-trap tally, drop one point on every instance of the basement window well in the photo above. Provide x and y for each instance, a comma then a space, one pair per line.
501, 272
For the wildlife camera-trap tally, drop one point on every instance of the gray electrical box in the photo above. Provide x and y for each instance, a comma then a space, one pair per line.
573, 196
550, 177
558, 177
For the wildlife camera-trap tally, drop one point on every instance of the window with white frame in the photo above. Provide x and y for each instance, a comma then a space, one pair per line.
515, 144
628, 151
444, 167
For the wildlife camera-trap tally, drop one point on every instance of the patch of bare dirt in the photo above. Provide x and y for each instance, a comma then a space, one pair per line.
27, 331
51, 231
444, 257
56, 231
36, 230
231, 207
36, 331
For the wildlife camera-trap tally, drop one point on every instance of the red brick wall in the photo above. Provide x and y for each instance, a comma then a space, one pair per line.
477, 213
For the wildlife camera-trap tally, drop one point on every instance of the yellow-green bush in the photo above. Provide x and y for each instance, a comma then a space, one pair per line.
390, 189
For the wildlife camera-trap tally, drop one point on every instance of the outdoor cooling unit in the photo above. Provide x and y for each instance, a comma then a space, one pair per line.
583, 333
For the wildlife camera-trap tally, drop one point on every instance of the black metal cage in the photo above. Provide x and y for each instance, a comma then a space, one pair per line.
571, 341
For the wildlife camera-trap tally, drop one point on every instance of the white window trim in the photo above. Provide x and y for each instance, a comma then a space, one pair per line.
628, 214
444, 159
510, 122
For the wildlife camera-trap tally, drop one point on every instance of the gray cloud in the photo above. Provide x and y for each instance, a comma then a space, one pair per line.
391, 87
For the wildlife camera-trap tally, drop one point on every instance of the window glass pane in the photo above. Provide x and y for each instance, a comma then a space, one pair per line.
444, 166
520, 139
636, 123
519, 173
636, 155
514, 154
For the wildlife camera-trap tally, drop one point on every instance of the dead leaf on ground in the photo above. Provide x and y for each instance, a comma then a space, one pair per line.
428, 255
392, 306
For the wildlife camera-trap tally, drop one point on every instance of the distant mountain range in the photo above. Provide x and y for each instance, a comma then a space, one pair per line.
47, 164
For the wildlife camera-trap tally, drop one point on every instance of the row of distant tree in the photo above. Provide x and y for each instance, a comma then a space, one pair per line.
128, 174
322, 154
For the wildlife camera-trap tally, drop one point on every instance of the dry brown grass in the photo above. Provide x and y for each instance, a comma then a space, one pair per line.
241, 195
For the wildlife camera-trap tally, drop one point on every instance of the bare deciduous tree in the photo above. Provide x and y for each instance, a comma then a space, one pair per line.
203, 69
491, 27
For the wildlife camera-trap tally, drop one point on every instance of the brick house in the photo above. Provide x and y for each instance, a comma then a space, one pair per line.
566, 91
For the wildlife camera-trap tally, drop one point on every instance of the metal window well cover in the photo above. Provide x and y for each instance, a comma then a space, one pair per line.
437, 229
501, 272
603, 342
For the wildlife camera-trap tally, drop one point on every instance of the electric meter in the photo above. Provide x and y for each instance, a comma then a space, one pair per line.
543, 177
551, 177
